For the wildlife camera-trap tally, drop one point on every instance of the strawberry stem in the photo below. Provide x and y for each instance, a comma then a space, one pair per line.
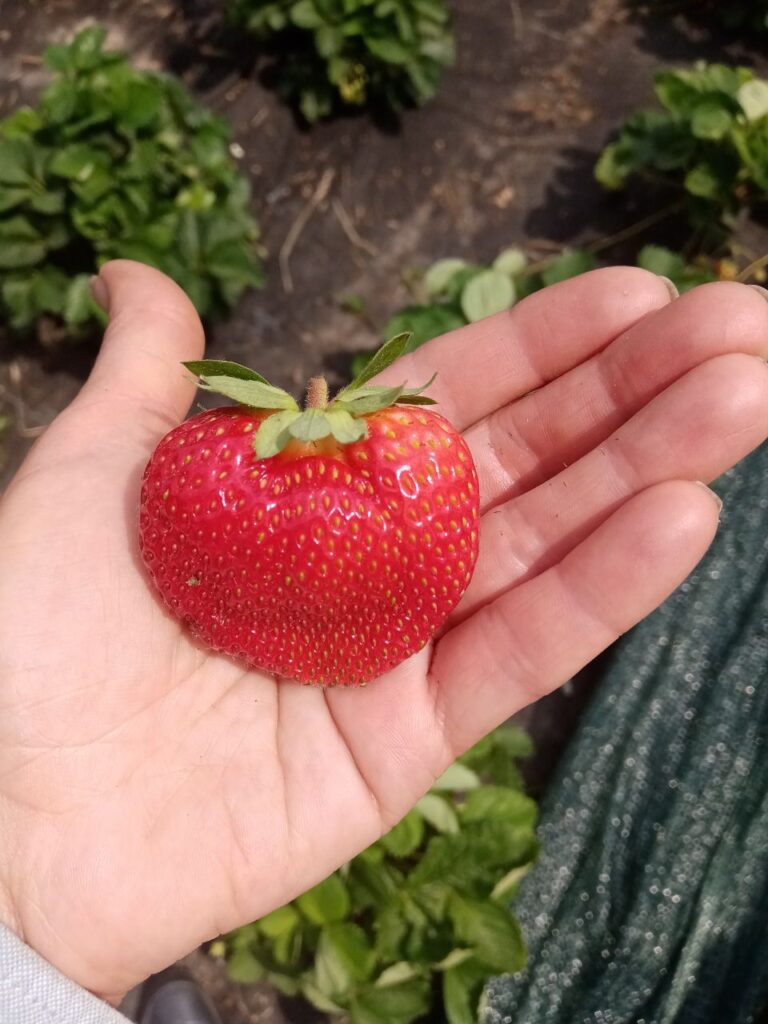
317, 393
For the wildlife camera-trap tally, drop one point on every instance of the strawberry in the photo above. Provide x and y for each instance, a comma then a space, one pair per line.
324, 545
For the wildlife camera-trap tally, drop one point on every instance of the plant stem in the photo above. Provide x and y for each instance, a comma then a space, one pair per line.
317, 393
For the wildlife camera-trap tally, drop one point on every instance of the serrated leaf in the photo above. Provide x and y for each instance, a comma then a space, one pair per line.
457, 777
488, 292
249, 392
310, 425
344, 427
497, 803
343, 958
440, 274
385, 356
406, 836
391, 1004
439, 813
491, 931
326, 903
222, 368
462, 990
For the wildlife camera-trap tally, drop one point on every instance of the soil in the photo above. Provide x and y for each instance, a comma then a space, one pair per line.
503, 155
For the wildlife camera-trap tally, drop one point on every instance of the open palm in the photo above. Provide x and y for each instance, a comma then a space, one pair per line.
153, 794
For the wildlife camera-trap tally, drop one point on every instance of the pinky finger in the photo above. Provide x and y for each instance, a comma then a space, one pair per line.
532, 639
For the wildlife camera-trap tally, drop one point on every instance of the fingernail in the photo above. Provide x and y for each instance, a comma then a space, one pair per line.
715, 497
760, 290
670, 286
100, 292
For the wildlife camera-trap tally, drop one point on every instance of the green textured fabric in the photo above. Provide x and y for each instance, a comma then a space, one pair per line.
649, 904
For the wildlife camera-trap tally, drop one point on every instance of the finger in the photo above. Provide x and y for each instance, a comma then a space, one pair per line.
529, 441
534, 638
695, 430
487, 364
138, 383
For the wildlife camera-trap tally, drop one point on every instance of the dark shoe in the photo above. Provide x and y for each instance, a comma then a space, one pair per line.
172, 997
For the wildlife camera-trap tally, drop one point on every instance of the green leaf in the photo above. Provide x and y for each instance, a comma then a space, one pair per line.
570, 264
305, 14
454, 958
222, 368
506, 888
491, 931
344, 427
248, 392
15, 162
388, 49
318, 998
753, 97
397, 973
711, 120
406, 836
440, 274
391, 1004
612, 169
439, 813
282, 921
659, 260
487, 293
511, 261
244, 968
458, 778
343, 958
462, 990
386, 355
326, 903
424, 323
497, 803
704, 181
79, 305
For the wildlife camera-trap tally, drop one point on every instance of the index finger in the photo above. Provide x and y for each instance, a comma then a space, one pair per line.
488, 364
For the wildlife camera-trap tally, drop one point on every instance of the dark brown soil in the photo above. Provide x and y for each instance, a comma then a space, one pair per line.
503, 155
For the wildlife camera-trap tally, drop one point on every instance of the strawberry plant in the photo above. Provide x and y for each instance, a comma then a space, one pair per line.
116, 162
709, 140
326, 544
421, 915
453, 292
750, 15
331, 54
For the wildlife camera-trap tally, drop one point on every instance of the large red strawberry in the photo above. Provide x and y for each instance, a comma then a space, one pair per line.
324, 545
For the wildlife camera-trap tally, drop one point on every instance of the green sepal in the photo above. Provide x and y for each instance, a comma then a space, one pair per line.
416, 400
311, 425
344, 427
223, 368
249, 392
273, 434
386, 355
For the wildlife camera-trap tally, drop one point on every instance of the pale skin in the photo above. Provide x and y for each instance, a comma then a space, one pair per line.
154, 795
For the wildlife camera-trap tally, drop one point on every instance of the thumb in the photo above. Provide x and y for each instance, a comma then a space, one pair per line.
137, 382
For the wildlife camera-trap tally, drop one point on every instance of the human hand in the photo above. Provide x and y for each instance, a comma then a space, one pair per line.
153, 794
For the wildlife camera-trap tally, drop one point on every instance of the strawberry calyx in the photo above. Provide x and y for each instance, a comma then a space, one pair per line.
341, 417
